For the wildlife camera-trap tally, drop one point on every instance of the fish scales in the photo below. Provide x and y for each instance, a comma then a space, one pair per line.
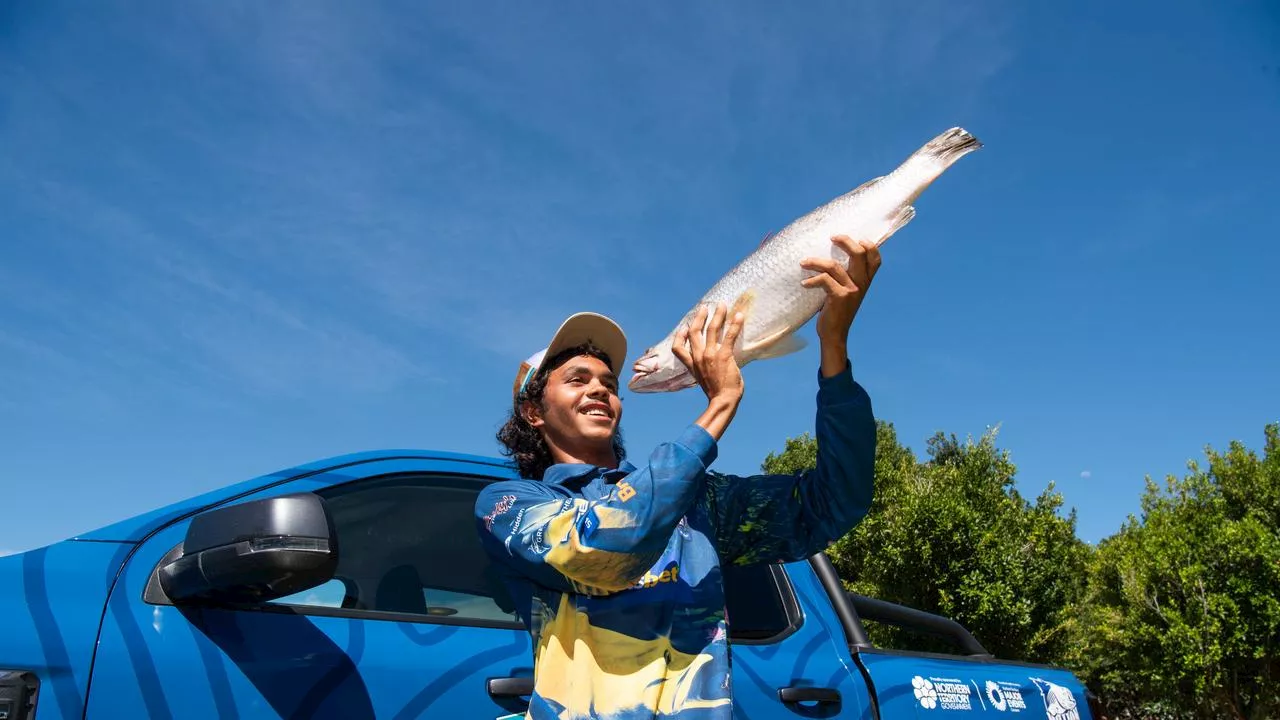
765, 285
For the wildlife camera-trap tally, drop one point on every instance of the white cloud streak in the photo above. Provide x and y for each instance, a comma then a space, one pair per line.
354, 187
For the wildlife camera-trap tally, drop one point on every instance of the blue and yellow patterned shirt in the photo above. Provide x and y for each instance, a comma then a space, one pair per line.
616, 572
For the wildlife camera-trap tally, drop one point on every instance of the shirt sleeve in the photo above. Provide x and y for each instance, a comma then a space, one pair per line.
595, 546
784, 518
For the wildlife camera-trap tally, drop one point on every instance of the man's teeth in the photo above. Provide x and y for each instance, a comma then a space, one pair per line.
595, 411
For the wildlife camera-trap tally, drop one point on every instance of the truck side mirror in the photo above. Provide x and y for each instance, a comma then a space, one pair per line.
254, 552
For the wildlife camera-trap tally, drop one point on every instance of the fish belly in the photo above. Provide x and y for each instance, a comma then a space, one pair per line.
766, 285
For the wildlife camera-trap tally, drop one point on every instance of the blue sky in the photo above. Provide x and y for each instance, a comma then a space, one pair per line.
241, 236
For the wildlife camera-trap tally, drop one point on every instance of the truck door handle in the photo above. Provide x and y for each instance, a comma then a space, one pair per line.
509, 686
799, 694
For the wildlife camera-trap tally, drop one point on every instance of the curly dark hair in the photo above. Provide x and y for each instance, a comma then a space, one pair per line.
523, 442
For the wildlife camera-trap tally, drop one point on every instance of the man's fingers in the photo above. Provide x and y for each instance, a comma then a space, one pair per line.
828, 283
716, 327
829, 267
680, 346
832, 268
696, 340
849, 245
873, 261
733, 331
858, 261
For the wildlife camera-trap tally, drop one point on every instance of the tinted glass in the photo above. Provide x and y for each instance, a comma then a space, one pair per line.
757, 599
407, 544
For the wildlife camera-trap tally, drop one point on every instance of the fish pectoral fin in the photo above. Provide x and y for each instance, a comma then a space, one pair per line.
783, 342
742, 305
897, 222
775, 346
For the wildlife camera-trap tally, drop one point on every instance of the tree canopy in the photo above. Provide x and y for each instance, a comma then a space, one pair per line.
1181, 618
1176, 615
952, 535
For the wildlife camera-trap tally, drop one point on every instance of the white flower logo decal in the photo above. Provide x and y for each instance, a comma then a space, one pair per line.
925, 693
996, 696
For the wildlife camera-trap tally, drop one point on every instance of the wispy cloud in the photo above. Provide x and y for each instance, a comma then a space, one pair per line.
354, 188
1086, 474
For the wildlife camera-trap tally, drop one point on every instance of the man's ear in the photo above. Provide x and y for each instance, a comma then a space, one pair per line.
531, 413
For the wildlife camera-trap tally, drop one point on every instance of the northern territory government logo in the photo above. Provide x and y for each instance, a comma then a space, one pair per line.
942, 693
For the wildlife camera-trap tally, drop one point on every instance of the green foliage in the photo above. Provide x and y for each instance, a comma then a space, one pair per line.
952, 535
1182, 613
1175, 616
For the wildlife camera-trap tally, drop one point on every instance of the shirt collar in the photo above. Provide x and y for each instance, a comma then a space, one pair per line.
565, 473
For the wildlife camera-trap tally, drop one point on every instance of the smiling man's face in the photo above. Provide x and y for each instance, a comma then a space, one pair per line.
580, 405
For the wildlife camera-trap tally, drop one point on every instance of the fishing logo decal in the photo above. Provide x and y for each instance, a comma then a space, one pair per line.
1059, 703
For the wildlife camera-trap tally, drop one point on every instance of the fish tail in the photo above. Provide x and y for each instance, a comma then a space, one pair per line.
950, 146
926, 164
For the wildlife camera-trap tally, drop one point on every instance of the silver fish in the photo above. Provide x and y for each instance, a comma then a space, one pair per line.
765, 286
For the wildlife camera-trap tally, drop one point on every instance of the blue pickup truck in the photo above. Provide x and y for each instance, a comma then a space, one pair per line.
356, 588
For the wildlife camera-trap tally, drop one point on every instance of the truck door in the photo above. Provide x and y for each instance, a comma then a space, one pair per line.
413, 625
788, 649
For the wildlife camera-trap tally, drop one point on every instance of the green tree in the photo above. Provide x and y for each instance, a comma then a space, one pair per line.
1182, 614
952, 535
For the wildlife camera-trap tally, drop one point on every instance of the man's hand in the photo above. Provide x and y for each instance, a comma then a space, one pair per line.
846, 286
712, 364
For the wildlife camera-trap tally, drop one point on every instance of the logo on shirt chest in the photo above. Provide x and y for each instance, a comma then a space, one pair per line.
669, 575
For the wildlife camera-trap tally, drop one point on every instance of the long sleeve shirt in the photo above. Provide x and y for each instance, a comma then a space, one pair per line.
616, 572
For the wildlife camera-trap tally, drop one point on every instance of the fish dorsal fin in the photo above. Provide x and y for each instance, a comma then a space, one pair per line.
865, 185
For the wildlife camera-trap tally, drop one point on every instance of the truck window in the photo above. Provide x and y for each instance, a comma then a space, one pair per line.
407, 544
759, 603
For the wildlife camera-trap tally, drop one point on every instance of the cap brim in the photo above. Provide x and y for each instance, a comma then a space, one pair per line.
597, 329
579, 329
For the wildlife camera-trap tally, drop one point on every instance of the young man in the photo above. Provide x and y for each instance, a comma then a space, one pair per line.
615, 569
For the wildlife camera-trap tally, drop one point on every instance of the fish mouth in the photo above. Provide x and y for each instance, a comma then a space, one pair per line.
646, 383
637, 382
646, 365
652, 375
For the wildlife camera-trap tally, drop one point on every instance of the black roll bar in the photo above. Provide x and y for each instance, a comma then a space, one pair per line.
919, 621
851, 608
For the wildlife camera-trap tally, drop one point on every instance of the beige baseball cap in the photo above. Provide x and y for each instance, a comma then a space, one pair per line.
576, 330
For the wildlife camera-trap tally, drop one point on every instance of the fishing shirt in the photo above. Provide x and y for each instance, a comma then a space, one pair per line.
616, 572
